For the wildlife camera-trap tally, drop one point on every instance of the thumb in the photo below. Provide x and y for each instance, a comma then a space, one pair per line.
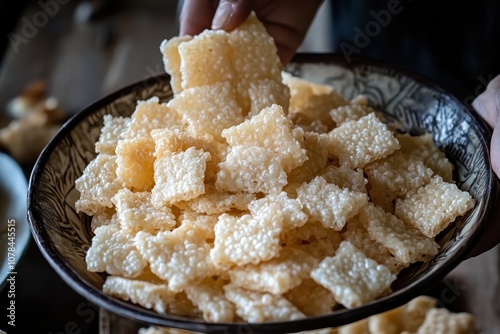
230, 14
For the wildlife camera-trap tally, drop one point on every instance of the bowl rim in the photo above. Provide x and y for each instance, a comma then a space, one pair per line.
339, 317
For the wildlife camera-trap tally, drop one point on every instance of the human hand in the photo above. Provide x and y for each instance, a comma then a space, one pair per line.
287, 21
487, 106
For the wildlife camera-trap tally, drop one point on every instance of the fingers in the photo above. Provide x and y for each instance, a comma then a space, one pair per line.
196, 16
230, 14
495, 150
288, 21
487, 104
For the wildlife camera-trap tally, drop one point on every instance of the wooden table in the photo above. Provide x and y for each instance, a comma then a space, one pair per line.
82, 61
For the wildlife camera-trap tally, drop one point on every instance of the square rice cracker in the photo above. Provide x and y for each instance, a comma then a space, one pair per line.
433, 207
345, 177
241, 240
311, 298
97, 185
215, 202
441, 321
357, 143
147, 294
135, 163
179, 177
416, 310
112, 250
251, 169
395, 175
169, 141
114, 129
210, 298
272, 130
277, 275
258, 307
311, 101
424, 148
290, 209
406, 243
352, 277
312, 238
264, 93
359, 237
176, 257
135, 212
208, 109
350, 112
316, 146
205, 59
172, 60
254, 54
328, 204
150, 114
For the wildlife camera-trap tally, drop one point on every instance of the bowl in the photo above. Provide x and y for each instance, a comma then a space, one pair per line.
410, 102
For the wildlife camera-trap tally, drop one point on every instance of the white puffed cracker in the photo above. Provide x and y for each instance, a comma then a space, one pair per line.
254, 54
251, 169
208, 109
147, 294
416, 310
345, 177
289, 209
328, 204
424, 148
272, 130
311, 101
311, 298
359, 237
263, 93
175, 257
112, 250
214, 202
135, 212
240, 241
406, 243
394, 176
352, 277
442, 321
149, 115
316, 146
256, 307
172, 60
357, 143
277, 275
97, 185
433, 207
169, 141
135, 163
350, 112
205, 59
113, 129
210, 298
179, 177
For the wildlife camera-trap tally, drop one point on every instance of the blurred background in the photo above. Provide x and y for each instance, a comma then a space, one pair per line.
66, 54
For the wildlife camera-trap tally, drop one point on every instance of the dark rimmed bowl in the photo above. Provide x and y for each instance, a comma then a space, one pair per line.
411, 103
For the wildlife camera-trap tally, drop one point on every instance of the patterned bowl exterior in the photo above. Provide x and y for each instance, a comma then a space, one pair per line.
411, 103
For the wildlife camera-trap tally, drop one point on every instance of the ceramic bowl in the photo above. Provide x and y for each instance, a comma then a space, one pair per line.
412, 103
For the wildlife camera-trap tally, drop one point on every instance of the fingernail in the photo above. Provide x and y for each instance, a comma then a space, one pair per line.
222, 15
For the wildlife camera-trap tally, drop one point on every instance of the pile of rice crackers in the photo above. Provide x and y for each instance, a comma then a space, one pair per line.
257, 196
